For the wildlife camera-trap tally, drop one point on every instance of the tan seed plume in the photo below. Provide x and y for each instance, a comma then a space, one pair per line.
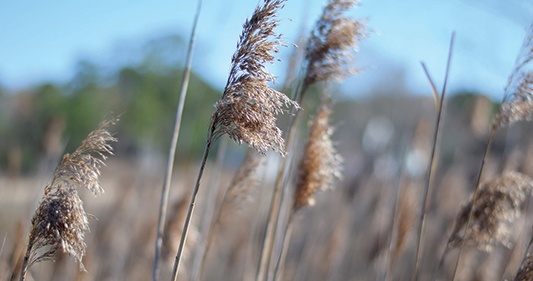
499, 204
519, 107
60, 221
518, 102
321, 164
330, 47
248, 108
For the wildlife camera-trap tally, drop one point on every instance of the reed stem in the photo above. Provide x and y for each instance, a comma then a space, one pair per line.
192, 204
476, 195
424, 206
163, 206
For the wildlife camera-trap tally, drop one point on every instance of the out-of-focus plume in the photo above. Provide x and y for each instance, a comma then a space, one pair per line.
321, 163
333, 39
518, 102
499, 204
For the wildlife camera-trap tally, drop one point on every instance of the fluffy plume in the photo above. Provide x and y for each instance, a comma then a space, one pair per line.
332, 41
499, 204
60, 222
525, 273
518, 102
248, 108
321, 164
406, 218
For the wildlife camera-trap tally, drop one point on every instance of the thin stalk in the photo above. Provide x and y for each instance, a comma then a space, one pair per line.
424, 206
284, 247
476, 194
275, 203
207, 225
190, 211
171, 154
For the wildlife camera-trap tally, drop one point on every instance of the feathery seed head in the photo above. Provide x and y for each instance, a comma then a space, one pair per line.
518, 102
332, 41
60, 222
321, 164
82, 167
498, 205
519, 107
248, 108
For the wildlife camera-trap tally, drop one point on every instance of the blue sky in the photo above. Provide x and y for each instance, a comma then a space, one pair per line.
41, 40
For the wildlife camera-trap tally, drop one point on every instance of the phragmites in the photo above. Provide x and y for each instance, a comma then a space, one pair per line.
519, 107
60, 222
498, 205
321, 164
518, 101
82, 167
248, 108
332, 41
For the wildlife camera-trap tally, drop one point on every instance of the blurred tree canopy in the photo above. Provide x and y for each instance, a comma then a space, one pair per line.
52, 118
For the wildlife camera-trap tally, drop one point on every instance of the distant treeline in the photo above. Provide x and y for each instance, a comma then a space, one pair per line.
50, 118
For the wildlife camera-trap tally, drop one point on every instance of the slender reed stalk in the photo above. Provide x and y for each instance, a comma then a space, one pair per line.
192, 204
424, 206
286, 240
328, 54
517, 105
476, 192
248, 108
208, 213
60, 222
163, 206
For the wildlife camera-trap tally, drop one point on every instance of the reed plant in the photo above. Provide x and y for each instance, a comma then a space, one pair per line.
248, 108
60, 222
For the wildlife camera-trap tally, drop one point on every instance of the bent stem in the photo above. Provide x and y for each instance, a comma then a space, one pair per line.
171, 154
424, 206
179, 255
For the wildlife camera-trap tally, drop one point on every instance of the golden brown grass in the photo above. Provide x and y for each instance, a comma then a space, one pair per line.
321, 164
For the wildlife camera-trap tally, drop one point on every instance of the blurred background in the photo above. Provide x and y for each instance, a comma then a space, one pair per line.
65, 66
